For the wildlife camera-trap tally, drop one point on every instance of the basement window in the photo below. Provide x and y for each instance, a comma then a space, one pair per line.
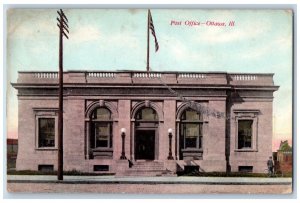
246, 169
101, 167
46, 168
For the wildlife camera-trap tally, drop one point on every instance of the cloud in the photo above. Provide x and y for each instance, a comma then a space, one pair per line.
177, 48
179, 51
124, 40
92, 34
278, 44
85, 34
30, 30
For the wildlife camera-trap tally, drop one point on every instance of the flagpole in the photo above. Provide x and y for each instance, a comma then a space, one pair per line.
148, 42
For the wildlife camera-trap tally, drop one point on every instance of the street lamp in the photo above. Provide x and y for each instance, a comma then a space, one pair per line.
123, 131
170, 157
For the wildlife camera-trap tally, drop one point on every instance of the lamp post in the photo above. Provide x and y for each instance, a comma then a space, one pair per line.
170, 157
123, 131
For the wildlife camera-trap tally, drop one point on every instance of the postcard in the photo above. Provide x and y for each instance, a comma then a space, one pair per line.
149, 101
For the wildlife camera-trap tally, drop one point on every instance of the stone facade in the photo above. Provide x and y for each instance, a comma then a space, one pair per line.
225, 100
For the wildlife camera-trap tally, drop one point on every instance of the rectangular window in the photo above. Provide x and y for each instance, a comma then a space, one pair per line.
46, 132
101, 167
102, 134
192, 135
191, 169
245, 134
246, 169
192, 130
46, 168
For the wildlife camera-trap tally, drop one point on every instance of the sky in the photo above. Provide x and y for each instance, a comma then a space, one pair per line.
101, 39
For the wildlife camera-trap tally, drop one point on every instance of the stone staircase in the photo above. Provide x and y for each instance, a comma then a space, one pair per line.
148, 168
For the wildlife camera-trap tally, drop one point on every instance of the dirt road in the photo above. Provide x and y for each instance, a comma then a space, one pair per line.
148, 188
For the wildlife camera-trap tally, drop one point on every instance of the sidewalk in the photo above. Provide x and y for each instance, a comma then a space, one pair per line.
148, 180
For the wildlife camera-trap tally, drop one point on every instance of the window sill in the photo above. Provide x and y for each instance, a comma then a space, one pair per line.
192, 150
246, 150
192, 154
101, 153
100, 149
46, 149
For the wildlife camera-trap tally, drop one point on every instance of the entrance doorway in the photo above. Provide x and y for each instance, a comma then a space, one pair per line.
145, 136
145, 144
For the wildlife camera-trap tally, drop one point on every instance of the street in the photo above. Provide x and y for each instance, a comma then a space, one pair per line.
148, 188
149, 185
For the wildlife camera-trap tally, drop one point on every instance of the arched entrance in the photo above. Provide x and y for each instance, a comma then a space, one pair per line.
146, 134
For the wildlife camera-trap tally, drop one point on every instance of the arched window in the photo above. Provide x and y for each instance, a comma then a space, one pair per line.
146, 114
191, 125
101, 128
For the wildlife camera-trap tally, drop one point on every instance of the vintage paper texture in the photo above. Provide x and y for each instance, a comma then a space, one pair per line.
191, 40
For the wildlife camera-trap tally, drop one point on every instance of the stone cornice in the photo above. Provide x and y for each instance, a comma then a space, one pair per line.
144, 78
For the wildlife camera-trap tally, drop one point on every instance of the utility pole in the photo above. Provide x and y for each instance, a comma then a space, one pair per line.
63, 26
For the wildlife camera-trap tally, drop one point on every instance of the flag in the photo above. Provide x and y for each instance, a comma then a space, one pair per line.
151, 27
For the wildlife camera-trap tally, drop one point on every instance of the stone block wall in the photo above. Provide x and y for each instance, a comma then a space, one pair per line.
262, 148
29, 155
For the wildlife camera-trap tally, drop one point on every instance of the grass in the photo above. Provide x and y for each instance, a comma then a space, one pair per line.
231, 174
73, 173
193, 173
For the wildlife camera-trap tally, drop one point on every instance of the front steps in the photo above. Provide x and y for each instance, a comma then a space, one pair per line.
148, 168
